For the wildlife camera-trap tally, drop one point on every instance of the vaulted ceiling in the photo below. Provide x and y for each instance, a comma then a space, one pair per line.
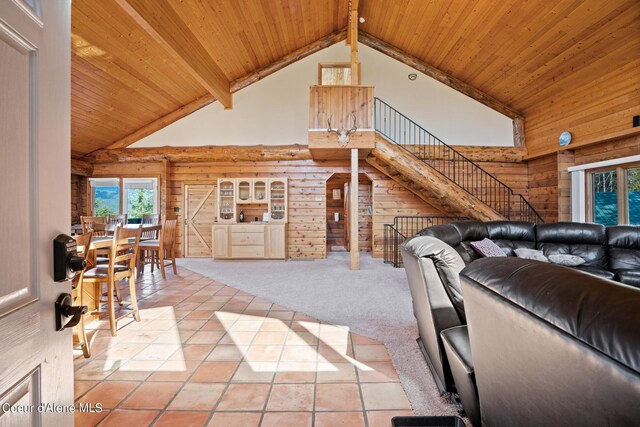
519, 52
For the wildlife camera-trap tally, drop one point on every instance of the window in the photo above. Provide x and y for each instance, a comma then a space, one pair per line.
132, 196
105, 196
141, 196
334, 74
605, 197
633, 195
615, 195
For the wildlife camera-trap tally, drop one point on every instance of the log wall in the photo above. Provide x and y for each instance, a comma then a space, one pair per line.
79, 204
307, 196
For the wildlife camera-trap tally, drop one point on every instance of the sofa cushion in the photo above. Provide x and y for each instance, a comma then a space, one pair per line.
511, 235
599, 272
470, 231
628, 277
445, 232
447, 262
624, 247
584, 240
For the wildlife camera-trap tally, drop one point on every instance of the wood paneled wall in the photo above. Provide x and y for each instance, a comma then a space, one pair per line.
338, 103
607, 151
600, 107
543, 187
550, 181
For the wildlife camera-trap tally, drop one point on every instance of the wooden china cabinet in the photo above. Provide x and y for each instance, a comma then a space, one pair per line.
263, 204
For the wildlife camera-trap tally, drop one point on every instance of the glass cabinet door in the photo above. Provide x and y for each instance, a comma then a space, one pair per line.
226, 200
260, 191
278, 200
244, 191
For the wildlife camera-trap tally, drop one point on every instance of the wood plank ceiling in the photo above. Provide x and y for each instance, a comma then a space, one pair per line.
515, 51
123, 79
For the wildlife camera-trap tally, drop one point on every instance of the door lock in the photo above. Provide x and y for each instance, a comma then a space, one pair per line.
67, 314
66, 261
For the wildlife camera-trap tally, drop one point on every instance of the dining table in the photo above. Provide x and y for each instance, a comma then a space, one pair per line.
92, 297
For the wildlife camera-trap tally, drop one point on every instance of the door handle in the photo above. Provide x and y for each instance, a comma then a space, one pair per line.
67, 314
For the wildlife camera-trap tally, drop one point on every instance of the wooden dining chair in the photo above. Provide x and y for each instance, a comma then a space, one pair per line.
89, 224
152, 219
118, 219
122, 265
162, 250
83, 243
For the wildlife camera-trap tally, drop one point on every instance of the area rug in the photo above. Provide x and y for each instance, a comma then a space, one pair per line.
374, 301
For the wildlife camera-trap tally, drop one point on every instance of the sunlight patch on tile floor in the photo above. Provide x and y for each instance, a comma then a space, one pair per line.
206, 354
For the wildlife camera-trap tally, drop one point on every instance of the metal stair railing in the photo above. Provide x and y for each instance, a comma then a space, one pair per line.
404, 227
442, 158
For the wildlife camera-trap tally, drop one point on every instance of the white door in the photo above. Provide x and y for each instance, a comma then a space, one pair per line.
36, 363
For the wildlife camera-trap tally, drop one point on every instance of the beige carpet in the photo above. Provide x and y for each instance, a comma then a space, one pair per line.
373, 301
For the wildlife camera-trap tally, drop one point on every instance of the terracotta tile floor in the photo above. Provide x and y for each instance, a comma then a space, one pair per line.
206, 354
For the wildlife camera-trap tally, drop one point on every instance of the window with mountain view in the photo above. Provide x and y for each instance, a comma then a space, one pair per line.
132, 196
615, 196
105, 195
141, 196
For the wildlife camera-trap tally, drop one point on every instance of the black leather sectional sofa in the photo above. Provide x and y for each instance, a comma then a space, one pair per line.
442, 268
610, 252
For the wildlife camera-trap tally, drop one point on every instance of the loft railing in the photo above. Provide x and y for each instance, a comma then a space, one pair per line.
404, 227
434, 153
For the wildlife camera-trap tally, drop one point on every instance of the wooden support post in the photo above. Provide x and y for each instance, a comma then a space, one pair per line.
354, 245
164, 193
355, 65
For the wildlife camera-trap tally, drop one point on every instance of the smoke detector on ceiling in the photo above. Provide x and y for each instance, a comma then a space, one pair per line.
361, 20
412, 76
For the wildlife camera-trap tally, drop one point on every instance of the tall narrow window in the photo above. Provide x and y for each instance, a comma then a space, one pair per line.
633, 195
140, 196
605, 197
105, 195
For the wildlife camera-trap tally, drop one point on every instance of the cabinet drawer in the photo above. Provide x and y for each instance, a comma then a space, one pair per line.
257, 228
247, 251
247, 238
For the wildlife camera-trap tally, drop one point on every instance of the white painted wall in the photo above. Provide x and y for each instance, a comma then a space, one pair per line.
275, 110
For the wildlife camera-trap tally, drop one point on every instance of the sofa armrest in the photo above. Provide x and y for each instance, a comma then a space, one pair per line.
552, 345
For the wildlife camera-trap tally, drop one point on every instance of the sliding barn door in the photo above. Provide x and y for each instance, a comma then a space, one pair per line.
36, 362
200, 215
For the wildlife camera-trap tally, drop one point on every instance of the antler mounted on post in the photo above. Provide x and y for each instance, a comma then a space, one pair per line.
343, 134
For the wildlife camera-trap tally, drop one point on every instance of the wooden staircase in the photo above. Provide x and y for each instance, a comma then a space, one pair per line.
440, 175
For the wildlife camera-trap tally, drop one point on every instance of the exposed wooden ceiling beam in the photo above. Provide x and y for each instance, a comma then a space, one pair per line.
166, 28
207, 153
235, 86
80, 167
352, 36
439, 75
289, 59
